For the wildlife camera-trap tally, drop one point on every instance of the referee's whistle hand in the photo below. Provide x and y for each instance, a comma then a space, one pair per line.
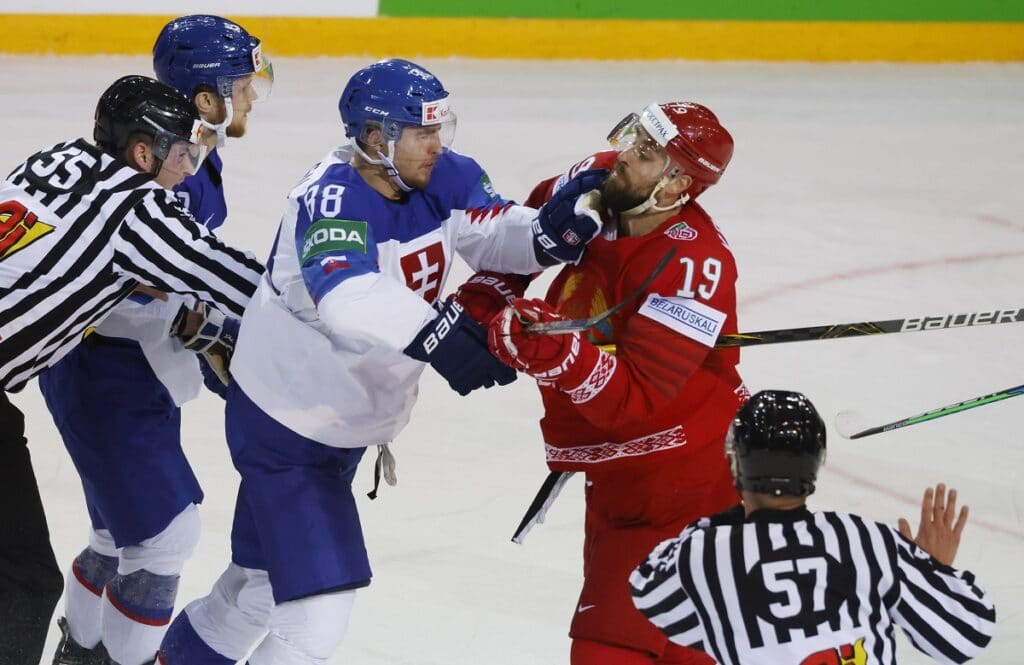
940, 528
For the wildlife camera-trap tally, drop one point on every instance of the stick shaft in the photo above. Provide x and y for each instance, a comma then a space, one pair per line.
949, 410
863, 328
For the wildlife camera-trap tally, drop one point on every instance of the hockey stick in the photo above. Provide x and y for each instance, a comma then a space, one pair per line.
847, 421
838, 330
567, 326
864, 328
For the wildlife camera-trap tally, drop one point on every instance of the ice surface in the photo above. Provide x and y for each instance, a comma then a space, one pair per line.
856, 192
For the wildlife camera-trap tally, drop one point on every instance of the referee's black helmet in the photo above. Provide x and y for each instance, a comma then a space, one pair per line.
141, 105
776, 444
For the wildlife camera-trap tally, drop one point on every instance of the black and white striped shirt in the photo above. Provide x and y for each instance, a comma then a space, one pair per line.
78, 231
781, 586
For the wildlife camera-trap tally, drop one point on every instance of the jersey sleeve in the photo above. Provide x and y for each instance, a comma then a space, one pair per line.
666, 341
492, 233
338, 260
543, 190
658, 593
945, 612
160, 244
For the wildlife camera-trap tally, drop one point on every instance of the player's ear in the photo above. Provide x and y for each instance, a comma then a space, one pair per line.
675, 188
375, 141
138, 154
210, 106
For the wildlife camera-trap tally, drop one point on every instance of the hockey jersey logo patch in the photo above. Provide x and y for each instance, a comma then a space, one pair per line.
334, 235
19, 228
681, 231
332, 263
687, 317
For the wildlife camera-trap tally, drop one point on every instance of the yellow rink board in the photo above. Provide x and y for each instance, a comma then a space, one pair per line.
588, 39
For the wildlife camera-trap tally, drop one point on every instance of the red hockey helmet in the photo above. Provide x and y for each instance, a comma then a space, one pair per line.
696, 142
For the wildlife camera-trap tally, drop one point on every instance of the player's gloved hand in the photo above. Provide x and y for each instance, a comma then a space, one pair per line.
563, 361
571, 218
486, 293
456, 346
207, 331
212, 378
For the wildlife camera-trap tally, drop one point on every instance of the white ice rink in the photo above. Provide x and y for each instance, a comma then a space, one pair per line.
856, 192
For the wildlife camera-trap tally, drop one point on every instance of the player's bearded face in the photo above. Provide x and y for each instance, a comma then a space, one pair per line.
416, 153
242, 95
629, 184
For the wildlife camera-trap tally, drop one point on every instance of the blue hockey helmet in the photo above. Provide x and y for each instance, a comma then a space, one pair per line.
203, 50
392, 94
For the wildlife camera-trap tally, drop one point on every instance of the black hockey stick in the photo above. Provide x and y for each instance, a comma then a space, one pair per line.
838, 330
847, 421
566, 326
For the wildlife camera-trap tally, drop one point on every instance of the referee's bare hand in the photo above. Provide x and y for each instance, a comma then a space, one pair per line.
938, 534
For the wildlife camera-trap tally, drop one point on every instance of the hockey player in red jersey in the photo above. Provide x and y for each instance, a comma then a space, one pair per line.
646, 418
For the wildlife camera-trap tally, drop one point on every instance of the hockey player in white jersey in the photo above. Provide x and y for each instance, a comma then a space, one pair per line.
141, 492
332, 346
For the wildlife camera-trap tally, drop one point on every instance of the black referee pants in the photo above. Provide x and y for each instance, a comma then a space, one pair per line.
30, 581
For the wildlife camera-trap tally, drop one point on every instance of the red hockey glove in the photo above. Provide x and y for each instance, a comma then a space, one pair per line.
486, 293
563, 361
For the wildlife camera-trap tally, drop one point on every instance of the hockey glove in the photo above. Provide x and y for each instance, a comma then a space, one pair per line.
207, 331
562, 361
456, 346
570, 219
486, 293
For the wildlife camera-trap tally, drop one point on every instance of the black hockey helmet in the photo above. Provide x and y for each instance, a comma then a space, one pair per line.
139, 104
776, 444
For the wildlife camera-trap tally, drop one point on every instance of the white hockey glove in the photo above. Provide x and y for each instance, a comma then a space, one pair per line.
207, 331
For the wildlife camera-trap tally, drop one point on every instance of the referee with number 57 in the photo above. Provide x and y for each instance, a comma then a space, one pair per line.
771, 582
82, 225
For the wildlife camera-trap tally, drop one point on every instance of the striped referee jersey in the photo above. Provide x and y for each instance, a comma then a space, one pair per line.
79, 230
796, 587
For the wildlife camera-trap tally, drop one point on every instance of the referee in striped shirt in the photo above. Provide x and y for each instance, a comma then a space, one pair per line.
771, 582
81, 227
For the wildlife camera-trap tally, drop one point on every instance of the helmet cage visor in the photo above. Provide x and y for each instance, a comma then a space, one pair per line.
630, 134
257, 80
178, 154
437, 112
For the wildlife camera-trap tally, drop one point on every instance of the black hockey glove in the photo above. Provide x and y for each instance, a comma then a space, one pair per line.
569, 220
456, 346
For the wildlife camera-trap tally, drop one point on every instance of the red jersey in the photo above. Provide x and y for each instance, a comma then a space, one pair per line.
665, 390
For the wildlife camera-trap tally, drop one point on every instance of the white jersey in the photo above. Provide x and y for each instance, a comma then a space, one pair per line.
351, 280
148, 321
149, 324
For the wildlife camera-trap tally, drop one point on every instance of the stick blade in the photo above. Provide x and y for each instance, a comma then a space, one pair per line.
852, 425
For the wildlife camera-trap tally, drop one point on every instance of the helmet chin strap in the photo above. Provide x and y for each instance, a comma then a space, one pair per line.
651, 204
386, 162
222, 127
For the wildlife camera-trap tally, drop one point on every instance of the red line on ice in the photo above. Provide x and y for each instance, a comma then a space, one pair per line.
759, 297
